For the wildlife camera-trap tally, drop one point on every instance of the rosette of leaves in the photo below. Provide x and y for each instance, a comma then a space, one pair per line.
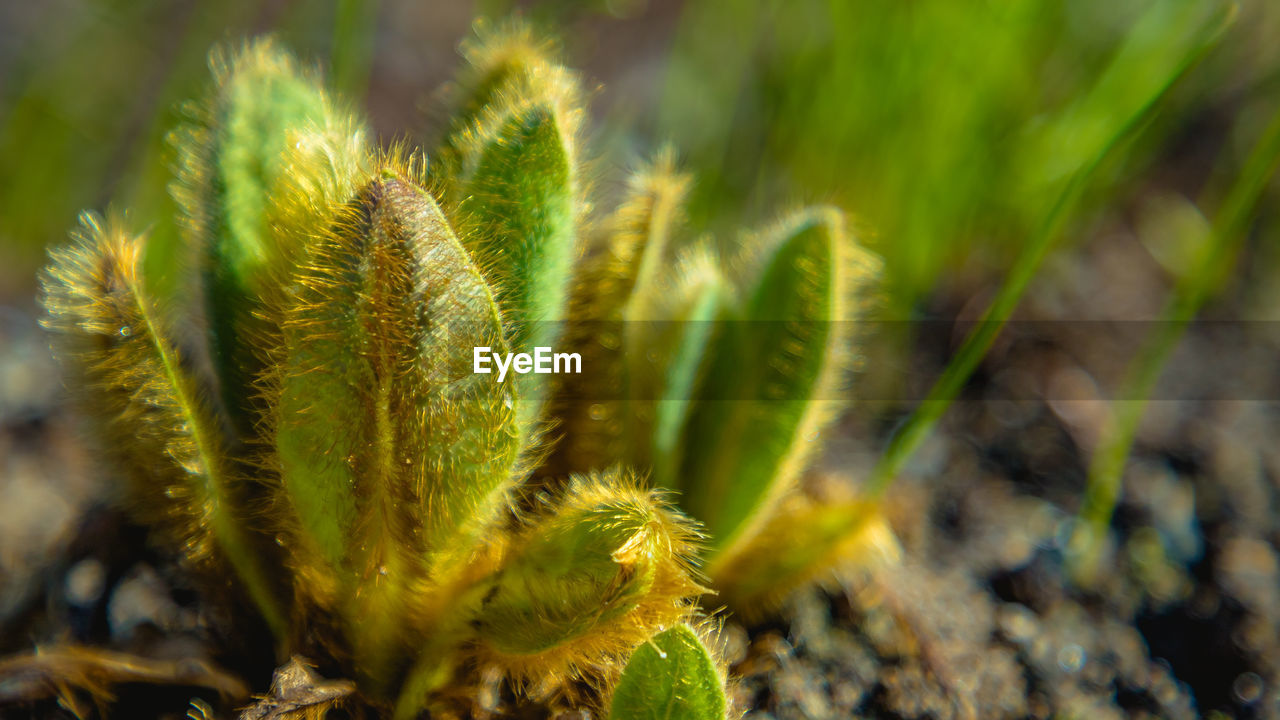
303, 424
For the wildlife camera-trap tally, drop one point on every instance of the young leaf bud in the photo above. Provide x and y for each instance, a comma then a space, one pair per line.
494, 57
588, 581
393, 454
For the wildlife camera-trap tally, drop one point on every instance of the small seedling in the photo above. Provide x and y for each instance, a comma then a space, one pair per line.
306, 418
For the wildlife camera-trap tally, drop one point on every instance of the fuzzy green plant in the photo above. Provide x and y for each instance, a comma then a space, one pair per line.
719, 368
306, 418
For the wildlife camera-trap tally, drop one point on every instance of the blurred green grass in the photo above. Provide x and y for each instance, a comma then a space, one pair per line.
967, 137
943, 126
90, 90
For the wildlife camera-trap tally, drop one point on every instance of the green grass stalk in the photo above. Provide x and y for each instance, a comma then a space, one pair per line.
1217, 256
922, 421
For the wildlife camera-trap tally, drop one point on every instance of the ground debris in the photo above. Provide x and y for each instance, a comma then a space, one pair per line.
299, 693
81, 678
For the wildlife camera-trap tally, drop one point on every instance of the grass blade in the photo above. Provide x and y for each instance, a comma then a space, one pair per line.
1133, 64
354, 26
1217, 255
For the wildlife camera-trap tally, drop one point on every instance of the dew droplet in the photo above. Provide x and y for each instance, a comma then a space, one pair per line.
125, 331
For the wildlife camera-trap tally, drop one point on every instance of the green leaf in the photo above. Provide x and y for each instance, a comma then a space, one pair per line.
518, 216
786, 346
151, 410
585, 565
588, 577
610, 293
231, 163
393, 453
495, 56
520, 202
668, 360
671, 677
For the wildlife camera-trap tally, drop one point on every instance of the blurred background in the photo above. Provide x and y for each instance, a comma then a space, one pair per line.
939, 125
946, 129
956, 134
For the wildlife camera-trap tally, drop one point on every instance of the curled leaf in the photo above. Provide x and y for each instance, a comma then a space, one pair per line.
588, 580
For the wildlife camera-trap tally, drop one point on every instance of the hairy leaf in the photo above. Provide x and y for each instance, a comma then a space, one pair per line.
617, 285
495, 56
519, 209
670, 677
151, 409
393, 454
588, 579
771, 380
231, 165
